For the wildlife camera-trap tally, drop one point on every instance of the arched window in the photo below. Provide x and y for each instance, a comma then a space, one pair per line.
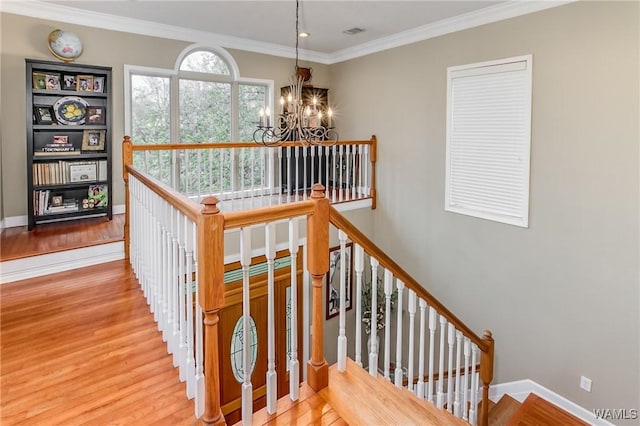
202, 100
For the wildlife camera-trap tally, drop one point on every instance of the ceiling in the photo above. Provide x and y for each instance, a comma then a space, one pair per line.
269, 26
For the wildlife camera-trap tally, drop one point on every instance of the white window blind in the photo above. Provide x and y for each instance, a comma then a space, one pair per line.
489, 140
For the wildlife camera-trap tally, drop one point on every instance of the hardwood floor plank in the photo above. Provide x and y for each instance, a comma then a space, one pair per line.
80, 347
18, 242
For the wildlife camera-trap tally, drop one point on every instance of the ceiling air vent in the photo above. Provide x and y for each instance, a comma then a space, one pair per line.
353, 31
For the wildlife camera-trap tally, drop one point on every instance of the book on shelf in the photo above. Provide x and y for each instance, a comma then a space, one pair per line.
63, 172
45, 153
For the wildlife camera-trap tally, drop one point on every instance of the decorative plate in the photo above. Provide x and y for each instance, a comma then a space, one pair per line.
65, 45
70, 110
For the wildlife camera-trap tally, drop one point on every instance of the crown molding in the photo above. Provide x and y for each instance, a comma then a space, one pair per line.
465, 21
48, 11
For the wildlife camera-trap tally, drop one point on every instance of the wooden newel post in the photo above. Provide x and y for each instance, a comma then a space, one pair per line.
486, 375
127, 159
211, 298
318, 263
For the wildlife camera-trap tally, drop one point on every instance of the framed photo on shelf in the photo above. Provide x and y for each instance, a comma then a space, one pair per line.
68, 82
53, 81
56, 201
98, 84
84, 83
333, 280
61, 139
82, 172
39, 80
93, 140
43, 114
96, 115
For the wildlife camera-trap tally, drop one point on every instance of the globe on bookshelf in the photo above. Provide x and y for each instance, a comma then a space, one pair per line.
65, 45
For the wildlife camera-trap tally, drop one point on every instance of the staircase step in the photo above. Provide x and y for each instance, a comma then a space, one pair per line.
540, 412
503, 411
361, 399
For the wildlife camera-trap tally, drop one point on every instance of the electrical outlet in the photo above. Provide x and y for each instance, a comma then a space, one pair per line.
585, 383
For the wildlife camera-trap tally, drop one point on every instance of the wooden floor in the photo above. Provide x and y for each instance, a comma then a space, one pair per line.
18, 242
80, 347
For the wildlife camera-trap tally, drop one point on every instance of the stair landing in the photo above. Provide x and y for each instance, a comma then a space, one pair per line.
356, 398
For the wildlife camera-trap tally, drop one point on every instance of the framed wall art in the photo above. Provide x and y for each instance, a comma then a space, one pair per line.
333, 280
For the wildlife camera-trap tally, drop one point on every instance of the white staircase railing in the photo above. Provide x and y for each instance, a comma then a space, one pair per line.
442, 338
246, 175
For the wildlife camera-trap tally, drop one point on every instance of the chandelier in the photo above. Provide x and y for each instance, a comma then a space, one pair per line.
296, 121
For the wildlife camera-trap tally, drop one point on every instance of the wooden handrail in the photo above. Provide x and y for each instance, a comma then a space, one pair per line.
188, 207
341, 222
267, 214
219, 145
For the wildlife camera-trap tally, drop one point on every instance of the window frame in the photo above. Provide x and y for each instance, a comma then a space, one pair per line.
175, 75
481, 69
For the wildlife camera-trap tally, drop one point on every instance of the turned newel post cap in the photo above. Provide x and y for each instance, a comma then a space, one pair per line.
127, 139
209, 204
317, 191
487, 335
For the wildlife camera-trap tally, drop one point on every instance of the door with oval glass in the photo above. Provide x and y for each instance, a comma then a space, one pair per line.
230, 337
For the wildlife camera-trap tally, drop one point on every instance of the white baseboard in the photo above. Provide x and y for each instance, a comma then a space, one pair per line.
14, 221
36, 266
520, 389
11, 222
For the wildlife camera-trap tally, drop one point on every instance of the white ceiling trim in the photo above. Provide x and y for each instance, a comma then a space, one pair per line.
465, 21
48, 11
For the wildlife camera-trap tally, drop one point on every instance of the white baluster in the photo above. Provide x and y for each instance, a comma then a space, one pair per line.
289, 177
306, 310
175, 282
190, 230
165, 275
297, 186
359, 267
200, 392
465, 387
456, 405
473, 409
271, 170
312, 162
270, 248
333, 172
247, 387
211, 189
421, 360
182, 282
412, 325
367, 188
342, 338
432, 335
443, 332
450, 341
304, 168
354, 170
221, 170
294, 367
398, 376
361, 170
373, 351
341, 174
388, 291
326, 175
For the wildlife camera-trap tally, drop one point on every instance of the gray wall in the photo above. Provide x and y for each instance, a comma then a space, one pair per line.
562, 296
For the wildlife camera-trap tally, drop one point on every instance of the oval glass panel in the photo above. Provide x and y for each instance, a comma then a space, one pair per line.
237, 342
